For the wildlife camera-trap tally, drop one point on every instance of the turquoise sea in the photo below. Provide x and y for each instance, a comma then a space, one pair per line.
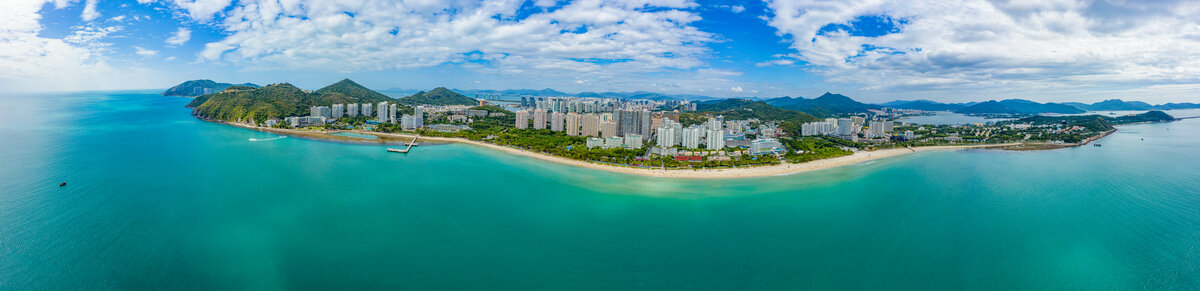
157, 199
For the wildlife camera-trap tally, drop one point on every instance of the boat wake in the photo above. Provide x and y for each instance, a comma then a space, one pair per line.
267, 139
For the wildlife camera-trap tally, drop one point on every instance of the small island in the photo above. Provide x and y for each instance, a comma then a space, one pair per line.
662, 137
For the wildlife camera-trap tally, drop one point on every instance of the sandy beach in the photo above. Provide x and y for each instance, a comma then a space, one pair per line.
759, 171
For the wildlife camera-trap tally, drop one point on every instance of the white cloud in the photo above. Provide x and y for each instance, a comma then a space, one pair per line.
778, 62
118, 18
737, 8
181, 36
584, 37
994, 45
29, 62
89, 35
736, 89
144, 52
89, 11
170, 58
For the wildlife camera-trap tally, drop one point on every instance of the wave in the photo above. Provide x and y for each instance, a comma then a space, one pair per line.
267, 139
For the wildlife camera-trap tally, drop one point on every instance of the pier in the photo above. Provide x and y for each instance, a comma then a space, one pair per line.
405, 150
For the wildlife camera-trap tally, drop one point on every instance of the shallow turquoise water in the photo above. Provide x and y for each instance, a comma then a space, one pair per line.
157, 199
358, 135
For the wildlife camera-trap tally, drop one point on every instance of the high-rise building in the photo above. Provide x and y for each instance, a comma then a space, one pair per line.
366, 110
644, 122
845, 126
716, 140
338, 110
670, 134
591, 125
571, 124
909, 135
691, 136
716, 123
321, 111
352, 110
523, 118
608, 129
539, 119
556, 121
382, 112
411, 122
392, 113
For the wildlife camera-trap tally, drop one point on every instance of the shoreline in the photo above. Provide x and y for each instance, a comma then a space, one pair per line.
781, 169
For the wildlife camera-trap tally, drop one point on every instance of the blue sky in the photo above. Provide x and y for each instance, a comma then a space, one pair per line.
871, 50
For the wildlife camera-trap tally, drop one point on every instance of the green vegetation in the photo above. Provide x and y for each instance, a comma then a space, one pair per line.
352, 89
812, 148
196, 88
828, 105
741, 109
278, 100
439, 96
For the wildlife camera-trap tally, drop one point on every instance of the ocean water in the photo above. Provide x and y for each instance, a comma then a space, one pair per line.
159, 200
946, 117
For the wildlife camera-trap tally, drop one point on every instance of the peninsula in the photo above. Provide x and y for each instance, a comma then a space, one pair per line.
663, 138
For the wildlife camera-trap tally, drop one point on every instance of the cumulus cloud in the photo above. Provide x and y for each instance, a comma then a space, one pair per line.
144, 52
89, 11
181, 36
29, 62
588, 36
975, 44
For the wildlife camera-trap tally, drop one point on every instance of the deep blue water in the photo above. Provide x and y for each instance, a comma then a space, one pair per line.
157, 199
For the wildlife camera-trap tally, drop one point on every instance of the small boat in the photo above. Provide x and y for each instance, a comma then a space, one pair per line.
1096, 145
62, 184
397, 150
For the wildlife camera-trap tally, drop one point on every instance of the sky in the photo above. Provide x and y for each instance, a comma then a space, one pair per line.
870, 50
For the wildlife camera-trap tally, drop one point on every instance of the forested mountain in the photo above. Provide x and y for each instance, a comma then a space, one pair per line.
439, 96
1018, 106
352, 89
926, 105
1121, 105
248, 104
827, 105
200, 87
734, 109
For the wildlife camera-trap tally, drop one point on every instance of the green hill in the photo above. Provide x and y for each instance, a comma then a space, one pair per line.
245, 104
439, 96
735, 109
200, 87
352, 89
827, 105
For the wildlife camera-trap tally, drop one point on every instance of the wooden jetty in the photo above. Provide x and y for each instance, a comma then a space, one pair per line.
405, 150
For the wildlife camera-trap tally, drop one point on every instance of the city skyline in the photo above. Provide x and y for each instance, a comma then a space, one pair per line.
873, 51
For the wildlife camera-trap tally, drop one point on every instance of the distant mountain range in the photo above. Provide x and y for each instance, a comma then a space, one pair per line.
554, 93
200, 87
1121, 105
927, 105
827, 105
1026, 107
1018, 106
